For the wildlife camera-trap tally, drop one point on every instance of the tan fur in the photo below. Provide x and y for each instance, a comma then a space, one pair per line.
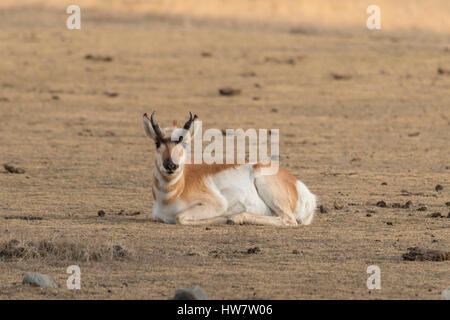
282, 185
196, 174
191, 186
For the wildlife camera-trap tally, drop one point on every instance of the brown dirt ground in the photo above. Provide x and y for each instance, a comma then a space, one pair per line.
84, 151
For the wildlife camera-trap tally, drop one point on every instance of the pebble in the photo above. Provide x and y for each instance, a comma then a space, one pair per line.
192, 293
39, 280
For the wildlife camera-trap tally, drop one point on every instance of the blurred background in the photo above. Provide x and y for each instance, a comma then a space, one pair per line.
430, 15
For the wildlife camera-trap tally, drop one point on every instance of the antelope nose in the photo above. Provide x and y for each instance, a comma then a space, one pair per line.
170, 166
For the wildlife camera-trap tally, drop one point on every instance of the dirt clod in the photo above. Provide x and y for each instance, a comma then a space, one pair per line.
229, 92
381, 204
438, 188
98, 58
443, 71
254, 250
419, 254
407, 205
323, 209
101, 213
338, 206
13, 169
435, 215
111, 94
27, 218
337, 76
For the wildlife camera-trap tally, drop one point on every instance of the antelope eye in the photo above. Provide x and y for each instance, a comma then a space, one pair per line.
180, 139
158, 144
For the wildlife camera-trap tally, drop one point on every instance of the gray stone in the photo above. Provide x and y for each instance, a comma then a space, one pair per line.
445, 295
39, 280
192, 293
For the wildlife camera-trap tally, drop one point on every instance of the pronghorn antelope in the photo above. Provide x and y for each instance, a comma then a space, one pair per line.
198, 194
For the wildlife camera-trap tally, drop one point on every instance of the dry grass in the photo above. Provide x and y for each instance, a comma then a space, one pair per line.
61, 251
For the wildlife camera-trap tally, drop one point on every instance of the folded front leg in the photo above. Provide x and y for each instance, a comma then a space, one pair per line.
201, 215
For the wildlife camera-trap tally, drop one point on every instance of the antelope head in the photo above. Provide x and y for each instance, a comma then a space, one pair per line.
171, 144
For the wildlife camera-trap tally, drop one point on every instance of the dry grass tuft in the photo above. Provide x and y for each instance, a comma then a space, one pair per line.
60, 251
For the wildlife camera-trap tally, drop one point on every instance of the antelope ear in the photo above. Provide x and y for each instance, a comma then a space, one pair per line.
148, 127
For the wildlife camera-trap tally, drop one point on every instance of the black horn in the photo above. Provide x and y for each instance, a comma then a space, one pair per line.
188, 123
156, 127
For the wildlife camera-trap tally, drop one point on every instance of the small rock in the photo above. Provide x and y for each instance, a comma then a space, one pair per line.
337, 76
134, 213
423, 208
274, 110
389, 223
445, 295
254, 250
418, 254
384, 183
295, 251
435, 215
206, 54
414, 134
192, 293
39, 280
438, 188
111, 94
13, 169
368, 215
229, 92
101, 213
407, 205
443, 71
323, 209
98, 58
381, 204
